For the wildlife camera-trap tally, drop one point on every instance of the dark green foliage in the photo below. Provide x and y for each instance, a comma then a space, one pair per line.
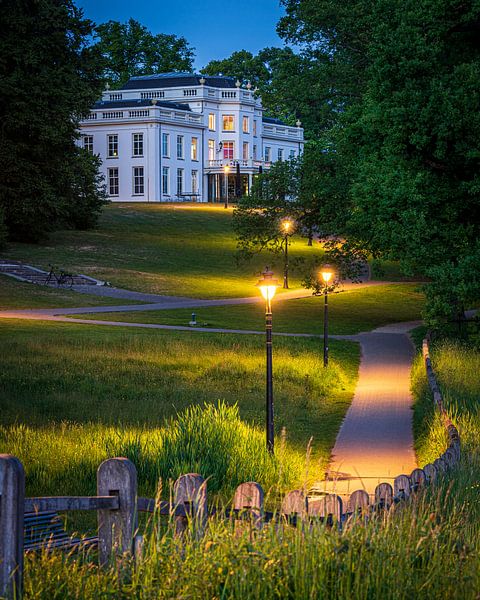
49, 79
130, 49
3, 230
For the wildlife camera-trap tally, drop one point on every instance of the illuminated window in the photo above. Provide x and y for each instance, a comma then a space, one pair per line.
228, 150
193, 149
228, 123
138, 181
245, 150
211, 149
137, 144
246, 125
211, 121
112, 146
88, 143
113, 182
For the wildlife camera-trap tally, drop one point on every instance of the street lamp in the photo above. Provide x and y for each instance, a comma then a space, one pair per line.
268, 286
226, 171
286, 228
326, 273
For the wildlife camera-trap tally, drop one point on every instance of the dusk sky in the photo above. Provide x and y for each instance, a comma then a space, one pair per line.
215, 28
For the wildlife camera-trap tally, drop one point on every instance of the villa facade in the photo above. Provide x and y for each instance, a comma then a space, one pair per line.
182, 136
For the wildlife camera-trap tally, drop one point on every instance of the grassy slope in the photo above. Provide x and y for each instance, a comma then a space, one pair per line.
18, 294
349, 312
174, 250
124, 381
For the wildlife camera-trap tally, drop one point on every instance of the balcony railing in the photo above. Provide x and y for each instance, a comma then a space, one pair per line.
232, 163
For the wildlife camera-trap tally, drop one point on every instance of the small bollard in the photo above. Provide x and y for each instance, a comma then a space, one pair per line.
193, 322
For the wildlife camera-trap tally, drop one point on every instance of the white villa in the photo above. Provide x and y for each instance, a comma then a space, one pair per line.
182, 136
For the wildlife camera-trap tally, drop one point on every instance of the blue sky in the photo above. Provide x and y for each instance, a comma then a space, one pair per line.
215, 28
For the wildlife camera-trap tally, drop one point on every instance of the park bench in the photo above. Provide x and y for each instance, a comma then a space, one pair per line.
45, 529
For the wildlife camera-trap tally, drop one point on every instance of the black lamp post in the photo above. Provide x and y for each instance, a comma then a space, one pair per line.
268, 286
286, 227
326, 274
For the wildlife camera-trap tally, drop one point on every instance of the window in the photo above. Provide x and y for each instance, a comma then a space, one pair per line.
194, 149
112, 143
254, 152
165, 145
113, 182
165, 180
88, 143
194, 182
211, 149
228, 123
246, 125
179, 181
268, 153
292, 153
245, 150
228, 150
211, 121
138, 181
280, 154
180, 146
137, 144
254, 127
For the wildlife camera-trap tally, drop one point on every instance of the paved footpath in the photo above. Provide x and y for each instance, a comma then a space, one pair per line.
375, 441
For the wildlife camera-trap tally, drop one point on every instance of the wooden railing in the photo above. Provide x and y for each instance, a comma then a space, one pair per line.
117, 503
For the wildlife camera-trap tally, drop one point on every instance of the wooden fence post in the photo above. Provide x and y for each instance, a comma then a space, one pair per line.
295, 504
402, 487
249, 497
117, 528
329, 507
418, 479
359, 503
190, 492
430, 473
12, 503
383, 495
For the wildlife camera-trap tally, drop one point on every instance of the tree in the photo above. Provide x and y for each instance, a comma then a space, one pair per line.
50, 77
130, 49
406, 130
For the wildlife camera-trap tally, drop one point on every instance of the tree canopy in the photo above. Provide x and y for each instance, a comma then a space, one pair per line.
50, 77
130, 49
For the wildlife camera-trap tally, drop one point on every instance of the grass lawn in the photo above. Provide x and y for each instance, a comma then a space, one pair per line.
349, 312
18, 294
74, 394
186, 250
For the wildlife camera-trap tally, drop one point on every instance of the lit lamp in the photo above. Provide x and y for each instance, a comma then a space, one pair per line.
226, 171
287, 226
268, 286
326, 274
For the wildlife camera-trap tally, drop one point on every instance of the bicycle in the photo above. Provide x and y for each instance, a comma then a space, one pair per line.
62, 279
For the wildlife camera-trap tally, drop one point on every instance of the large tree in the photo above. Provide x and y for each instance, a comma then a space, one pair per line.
50, 76
130, 49
406, 131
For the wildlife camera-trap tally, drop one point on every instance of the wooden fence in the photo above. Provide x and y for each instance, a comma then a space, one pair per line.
117, 503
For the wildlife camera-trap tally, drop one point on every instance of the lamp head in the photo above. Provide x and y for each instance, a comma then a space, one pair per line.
226, 169
287, 226
327, 273
268, 285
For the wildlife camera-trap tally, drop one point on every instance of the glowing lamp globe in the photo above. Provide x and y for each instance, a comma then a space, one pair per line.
268, 285
226, 169
326, 273
287, 225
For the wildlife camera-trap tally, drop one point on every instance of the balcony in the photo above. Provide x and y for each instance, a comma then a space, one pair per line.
218, 165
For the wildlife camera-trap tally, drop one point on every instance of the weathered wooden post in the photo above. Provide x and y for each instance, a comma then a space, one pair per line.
418, 479
402, 487
190, 493
383, 496
117, 528
295, 505
249, 497
359, 503
12, 503
328, 507
430, 473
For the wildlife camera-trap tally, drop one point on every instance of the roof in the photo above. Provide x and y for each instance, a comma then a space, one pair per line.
273, 121
167, 80
134, 103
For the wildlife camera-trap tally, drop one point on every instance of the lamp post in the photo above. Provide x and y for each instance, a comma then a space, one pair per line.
326, 273
268, 286
286, 228
226, 171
